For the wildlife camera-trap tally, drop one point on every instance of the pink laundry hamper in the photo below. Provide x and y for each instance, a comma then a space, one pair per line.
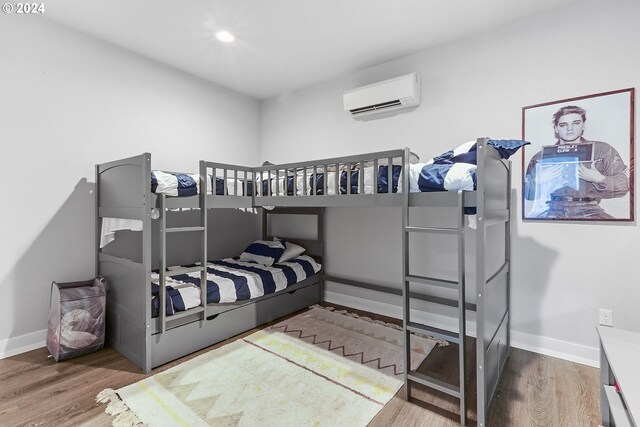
76, 318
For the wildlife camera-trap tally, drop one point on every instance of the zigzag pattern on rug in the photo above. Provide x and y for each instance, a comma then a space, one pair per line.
340, 347
440, 342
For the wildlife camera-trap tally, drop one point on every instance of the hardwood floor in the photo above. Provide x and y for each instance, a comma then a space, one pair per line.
536, 390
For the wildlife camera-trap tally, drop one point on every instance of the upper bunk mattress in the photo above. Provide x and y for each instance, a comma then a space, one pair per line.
231, 280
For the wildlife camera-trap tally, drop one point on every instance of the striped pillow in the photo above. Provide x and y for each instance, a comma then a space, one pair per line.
263, 252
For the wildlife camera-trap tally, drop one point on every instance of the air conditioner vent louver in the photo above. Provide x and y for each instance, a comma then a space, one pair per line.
376, 107
383, 98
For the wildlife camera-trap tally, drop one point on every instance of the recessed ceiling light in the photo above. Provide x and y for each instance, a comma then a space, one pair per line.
225, 36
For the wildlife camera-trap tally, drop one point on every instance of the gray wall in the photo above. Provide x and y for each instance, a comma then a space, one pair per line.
562, 272
68, 102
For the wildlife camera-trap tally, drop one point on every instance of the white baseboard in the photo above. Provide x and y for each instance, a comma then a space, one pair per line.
23, 343
395, 311
543, 345
572, 352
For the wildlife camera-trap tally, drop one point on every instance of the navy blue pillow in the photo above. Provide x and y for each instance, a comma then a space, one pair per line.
187, 186
265, 252
507, 147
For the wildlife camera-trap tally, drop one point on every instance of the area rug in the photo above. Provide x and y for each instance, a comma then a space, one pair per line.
319, 368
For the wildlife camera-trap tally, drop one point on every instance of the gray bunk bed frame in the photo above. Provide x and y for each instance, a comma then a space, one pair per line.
492, 201
123, 190
150, 344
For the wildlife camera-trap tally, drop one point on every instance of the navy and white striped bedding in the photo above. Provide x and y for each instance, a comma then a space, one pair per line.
231, 280
182, 184
355, 181
456, 169
298, 179
451, 171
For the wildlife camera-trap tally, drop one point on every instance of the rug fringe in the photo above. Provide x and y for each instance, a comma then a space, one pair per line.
124, 417
439, 342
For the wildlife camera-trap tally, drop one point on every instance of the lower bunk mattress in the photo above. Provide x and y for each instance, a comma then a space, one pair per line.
230, 280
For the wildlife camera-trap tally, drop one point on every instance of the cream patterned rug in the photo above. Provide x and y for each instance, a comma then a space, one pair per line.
319, 368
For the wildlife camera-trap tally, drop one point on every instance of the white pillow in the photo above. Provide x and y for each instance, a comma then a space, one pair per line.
290, 252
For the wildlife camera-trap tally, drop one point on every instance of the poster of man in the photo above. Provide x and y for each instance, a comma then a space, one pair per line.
579, 165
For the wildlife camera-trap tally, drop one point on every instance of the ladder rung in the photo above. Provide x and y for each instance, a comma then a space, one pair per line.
183, 229
434, 383
435, 332
445, 230
432, 281
185, 270
189, 312
441, 301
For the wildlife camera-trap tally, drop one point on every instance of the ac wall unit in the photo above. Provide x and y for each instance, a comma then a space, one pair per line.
383, 98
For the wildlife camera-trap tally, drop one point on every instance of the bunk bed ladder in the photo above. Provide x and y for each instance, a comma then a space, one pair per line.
410, 326
164, 273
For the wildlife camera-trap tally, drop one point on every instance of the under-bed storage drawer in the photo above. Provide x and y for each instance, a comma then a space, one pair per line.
194, 336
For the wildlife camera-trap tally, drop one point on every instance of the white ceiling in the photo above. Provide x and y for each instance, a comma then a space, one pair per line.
283, 45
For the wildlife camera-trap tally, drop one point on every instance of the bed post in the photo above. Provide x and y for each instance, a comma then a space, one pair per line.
98, 223
493, 292
406, 298
146, 258
204, 213
321, 236
480, 286
265, 225
507, 257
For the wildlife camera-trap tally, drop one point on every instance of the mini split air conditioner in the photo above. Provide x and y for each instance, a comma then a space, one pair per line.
383, 98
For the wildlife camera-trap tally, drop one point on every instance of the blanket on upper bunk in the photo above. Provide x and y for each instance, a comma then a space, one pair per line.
451, 171
230, 280
178, 184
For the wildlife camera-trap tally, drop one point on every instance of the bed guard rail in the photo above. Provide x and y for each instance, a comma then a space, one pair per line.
327, 177
226, 179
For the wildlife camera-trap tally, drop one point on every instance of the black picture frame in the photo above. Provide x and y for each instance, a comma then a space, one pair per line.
580, 164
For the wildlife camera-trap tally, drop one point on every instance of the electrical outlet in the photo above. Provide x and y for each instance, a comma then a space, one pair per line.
606, 317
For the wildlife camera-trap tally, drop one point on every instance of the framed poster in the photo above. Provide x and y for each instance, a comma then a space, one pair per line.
579, 166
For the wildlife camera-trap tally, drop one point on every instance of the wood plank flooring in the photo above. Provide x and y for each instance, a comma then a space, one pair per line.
536, 390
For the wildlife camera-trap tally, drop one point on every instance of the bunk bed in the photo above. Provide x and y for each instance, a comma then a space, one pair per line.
367, 180
490, 201
123, 191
